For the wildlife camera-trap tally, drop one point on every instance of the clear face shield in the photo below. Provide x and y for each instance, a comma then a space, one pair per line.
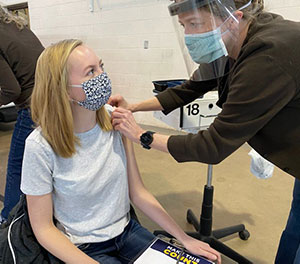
208, 33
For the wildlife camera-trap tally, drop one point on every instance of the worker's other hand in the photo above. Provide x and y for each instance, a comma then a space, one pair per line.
123, 121
118, 101
200, 248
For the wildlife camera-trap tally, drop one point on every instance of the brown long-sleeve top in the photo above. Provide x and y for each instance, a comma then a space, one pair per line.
19, 51
260, 101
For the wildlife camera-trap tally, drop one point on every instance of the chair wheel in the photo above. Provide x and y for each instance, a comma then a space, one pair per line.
244, 235
188, 217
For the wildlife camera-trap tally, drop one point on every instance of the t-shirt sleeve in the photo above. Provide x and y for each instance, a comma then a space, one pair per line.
37, 169
259, 89
109, 108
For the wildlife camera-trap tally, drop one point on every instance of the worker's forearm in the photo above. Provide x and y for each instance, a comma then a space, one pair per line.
146, 202
147, 105
61, 247
123, 121
160, 142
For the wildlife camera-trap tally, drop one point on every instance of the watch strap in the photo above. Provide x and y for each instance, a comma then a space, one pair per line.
146, 139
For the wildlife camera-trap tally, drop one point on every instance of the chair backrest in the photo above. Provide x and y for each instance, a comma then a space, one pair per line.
16, 233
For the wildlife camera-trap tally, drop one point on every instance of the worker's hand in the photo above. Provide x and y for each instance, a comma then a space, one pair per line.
123, 121
118, 101
198, 247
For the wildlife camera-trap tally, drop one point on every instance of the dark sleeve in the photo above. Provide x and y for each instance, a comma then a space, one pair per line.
183, 94
9, 87
258, 90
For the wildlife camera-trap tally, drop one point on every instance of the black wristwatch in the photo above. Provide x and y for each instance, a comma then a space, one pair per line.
146, 139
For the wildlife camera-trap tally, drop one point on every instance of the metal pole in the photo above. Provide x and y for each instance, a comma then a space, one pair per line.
209, 175
91, 6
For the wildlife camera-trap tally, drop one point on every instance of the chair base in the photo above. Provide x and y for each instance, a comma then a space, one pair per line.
204, 231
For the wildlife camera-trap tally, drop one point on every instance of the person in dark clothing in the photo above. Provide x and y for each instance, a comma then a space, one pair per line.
259, 93
19, 51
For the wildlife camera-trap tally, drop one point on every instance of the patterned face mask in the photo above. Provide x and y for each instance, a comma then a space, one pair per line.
97, 92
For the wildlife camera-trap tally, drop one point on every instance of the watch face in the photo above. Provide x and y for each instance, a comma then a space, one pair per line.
146, 138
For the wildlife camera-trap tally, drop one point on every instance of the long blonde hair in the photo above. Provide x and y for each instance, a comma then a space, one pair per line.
7, 17
50, 104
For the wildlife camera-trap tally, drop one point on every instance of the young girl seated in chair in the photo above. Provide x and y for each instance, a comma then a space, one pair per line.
80, 171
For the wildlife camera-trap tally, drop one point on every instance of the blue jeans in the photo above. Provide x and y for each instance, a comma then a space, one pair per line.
289, 246
121, 249
23, 128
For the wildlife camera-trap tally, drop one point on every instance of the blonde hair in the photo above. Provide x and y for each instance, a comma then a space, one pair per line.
50, 104
7, 17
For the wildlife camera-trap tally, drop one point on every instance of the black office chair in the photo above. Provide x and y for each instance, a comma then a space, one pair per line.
8, 114
133, 214
204, 227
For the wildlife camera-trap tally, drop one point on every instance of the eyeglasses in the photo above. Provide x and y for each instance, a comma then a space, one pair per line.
180, 255
174, 242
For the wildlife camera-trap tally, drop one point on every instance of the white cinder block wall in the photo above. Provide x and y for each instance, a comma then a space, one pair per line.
136, 40
118, 31
289, 9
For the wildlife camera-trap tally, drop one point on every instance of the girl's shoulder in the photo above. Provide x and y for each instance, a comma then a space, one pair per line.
109, 110
37, 139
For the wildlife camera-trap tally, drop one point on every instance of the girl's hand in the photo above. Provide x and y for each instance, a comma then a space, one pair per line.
198, 247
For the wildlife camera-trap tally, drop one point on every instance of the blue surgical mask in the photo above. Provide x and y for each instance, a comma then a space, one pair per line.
209, 46
97, 92
206, 47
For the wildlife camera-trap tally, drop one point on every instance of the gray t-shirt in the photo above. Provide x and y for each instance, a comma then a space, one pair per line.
89, 190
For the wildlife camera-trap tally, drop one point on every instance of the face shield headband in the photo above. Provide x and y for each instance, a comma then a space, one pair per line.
188, 5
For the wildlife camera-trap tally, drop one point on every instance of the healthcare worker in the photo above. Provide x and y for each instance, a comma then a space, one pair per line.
19, 51
253, 57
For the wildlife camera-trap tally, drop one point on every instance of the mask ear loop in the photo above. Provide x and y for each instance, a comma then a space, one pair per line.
75, 86
232, 16
75, 101
241, 8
